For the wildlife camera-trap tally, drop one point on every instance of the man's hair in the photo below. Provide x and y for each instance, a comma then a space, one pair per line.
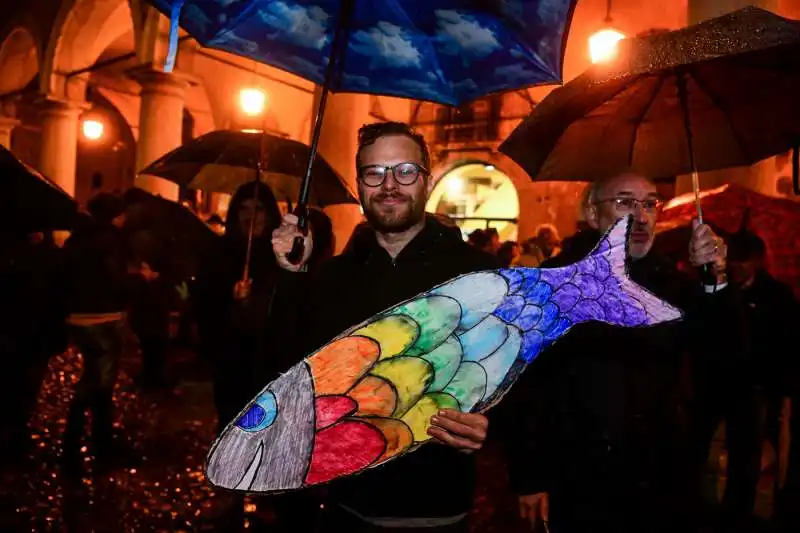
369, 133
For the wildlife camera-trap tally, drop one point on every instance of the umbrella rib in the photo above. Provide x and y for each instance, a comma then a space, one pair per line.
640, 119
725, 113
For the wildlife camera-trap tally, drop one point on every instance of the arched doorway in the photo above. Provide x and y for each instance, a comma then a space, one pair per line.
477, 196
105, 159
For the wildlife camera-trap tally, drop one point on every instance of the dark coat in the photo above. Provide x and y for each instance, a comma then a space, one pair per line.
96, 269
242, 338
600, 419
434, 481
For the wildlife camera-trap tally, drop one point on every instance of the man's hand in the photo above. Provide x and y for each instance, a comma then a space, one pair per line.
147, 273
283, 240
243, 289
535, 509
464, 431
705, 247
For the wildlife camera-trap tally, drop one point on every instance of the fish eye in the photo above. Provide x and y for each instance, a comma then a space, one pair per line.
261, 414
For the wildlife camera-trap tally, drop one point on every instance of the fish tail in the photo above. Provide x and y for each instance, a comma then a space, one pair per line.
623, 302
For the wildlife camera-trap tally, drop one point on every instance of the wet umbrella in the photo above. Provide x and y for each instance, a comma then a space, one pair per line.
165, 234
446, 51
719, 94
33, 202
222, 161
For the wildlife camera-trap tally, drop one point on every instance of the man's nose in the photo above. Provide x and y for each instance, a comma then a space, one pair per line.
389, 183
640, 214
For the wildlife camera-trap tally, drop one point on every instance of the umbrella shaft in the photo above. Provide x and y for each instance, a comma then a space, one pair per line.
683, 97
696, 188
345, 15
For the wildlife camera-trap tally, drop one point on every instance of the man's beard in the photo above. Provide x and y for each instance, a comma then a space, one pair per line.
404, 216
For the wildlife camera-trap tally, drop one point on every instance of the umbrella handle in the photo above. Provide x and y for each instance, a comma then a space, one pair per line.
295, 256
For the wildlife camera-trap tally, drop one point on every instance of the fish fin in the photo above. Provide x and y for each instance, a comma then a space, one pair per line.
624, 302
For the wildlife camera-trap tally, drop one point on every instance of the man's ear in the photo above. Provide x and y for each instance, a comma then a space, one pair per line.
590, 212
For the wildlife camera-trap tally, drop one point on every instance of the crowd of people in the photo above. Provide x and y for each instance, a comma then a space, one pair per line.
608, 430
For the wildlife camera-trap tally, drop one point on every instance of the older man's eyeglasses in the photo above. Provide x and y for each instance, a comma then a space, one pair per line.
403, 174
628, 204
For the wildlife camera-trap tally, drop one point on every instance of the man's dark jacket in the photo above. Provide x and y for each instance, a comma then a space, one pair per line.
600, 419
434, 481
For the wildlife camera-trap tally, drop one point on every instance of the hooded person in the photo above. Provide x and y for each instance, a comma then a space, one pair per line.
242, 323
233, 314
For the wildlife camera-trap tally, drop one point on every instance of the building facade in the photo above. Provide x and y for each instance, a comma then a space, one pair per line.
84, 99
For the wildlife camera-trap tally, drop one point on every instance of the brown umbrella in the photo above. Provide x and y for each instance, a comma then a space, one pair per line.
719, 94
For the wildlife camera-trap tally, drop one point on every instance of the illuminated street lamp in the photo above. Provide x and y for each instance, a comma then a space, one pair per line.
603, 44
92, 129
253, 101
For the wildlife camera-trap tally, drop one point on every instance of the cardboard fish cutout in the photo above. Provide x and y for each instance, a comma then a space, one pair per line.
367, 396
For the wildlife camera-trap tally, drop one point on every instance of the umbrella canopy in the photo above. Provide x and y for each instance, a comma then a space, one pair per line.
223, 160
723, 92
447, 51
165, 234
731, 208
33, 202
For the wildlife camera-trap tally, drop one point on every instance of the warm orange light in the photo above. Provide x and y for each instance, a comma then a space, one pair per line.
253, 101
603, 45
92, 129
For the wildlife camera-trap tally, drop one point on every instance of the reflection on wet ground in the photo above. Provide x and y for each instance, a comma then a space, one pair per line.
160, 487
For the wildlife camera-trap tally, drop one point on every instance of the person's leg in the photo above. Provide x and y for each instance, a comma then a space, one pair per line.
744, 439
85, 342
110, 343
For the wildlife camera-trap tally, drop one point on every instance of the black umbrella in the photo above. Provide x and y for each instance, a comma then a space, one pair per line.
719, 94
31, 201
223, 160
165, 234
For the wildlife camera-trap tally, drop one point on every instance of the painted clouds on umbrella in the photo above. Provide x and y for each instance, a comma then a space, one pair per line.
438, 50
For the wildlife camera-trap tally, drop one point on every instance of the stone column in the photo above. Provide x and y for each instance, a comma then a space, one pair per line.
338, 143
59, 146
160, 123
7, 125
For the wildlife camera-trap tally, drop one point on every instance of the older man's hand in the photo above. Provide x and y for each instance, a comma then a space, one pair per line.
706, 247
464, 431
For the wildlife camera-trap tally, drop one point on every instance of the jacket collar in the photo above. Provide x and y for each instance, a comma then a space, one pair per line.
434, 235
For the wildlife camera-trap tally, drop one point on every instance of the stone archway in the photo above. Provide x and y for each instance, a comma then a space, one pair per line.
19, 60
477, 195
19, 63
551, 202
107, 163
82, 30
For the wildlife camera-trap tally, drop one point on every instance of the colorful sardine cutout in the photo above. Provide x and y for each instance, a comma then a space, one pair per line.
367, 396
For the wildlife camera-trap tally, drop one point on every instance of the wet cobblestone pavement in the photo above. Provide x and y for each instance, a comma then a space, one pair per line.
161, 488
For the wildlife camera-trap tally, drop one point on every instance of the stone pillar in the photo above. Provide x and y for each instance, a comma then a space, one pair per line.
59, 147
338, 143
7, 125
160, 123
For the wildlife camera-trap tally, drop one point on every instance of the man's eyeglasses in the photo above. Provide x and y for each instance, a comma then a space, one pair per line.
403, 173
624, 203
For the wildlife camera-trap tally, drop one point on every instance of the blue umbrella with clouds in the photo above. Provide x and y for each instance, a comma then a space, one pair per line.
444, 51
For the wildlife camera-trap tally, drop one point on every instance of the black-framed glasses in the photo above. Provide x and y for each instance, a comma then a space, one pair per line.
628, 204
403, 173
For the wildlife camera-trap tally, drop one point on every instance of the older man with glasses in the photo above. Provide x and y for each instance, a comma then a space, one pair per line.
400, 253
606, 443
